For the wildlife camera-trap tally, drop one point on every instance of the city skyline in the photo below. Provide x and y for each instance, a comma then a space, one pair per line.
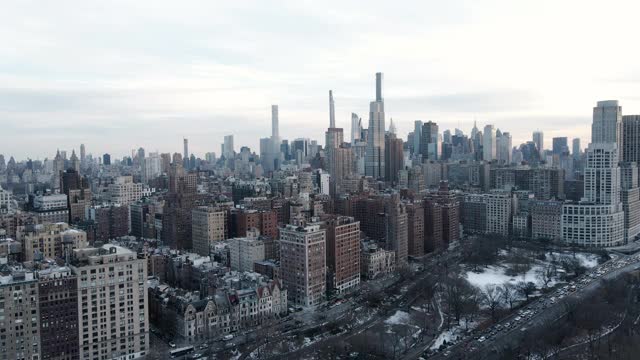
173, 80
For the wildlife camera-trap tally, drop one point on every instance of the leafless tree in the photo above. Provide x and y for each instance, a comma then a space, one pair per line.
491, 299
526, 288
508, 292
545, 274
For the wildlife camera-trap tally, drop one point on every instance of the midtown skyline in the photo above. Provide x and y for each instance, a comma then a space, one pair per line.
62, 87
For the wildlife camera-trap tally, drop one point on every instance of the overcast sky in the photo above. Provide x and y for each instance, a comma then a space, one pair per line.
117, 75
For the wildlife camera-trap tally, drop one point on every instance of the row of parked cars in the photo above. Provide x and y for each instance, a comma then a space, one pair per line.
532, 309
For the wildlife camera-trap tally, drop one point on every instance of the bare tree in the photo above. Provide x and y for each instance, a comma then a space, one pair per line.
491, 299
508, 292
545, 274
526, 288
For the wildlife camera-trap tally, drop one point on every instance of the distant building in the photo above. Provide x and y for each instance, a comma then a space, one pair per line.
376, 261
208, 225
124, 191
245, 252
49, 240
546, 219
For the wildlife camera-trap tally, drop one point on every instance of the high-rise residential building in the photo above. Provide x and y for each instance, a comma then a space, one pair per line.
397, 230
83, 154
343, 253
58, 293
266, 222
415, 226
474, 213
607, 125
275, 129
499, 212
631, 138
489, 143
106, 159
356, 128
429, 141
333, 141
303, 263
417, 136
20, 320
180, 200
124, 191
49, 208
576, 150
74, 162
112, 299
441, 217
546, 219
374, 162
208, 225
244, 252
5, 201
227, 147
78, 194
394, 157
598, 220
630, 197
332, 111
49, 240
185, 154
538, 139
503, 147
107, 222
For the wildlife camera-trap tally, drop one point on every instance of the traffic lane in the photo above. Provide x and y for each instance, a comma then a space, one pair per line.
551, 313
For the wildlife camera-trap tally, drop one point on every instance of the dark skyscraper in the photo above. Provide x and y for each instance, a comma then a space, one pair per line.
560, 146
429, 141
374, 158
106, 159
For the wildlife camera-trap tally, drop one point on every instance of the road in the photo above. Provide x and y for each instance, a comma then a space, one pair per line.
543, 311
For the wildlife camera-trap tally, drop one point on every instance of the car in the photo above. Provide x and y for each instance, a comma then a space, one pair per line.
227, 337
482, 339
172, 344
518, 318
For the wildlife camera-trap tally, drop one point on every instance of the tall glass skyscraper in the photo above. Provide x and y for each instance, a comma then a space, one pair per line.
374, 163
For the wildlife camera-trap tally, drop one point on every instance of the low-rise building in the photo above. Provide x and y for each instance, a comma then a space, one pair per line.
376, 261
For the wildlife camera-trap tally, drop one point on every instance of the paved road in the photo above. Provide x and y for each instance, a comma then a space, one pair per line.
490, 349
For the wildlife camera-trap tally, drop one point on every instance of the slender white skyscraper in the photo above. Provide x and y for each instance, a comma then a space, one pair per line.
275, 130
489, 143
607, 124
227, 147
538, 139
332, 111
185, 156
356, 128
374, 162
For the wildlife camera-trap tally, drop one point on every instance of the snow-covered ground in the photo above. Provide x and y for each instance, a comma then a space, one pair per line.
495, 274
399, 318
456, 332
587, 260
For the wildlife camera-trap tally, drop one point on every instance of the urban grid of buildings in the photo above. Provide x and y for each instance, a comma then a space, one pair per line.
97, 250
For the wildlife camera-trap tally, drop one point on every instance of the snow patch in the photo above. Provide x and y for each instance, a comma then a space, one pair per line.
494, 275
399, 318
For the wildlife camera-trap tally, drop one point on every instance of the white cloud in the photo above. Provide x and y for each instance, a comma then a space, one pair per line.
154, 71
